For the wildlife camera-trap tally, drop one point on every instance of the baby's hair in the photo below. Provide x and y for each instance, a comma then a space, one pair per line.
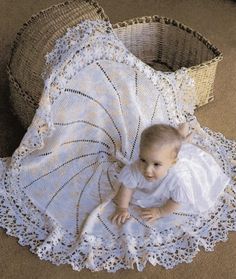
162, 134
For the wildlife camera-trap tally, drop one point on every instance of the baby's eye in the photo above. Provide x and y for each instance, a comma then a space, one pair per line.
156, 165
142, 160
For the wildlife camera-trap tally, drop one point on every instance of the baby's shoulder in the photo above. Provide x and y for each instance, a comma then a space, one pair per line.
190, 150
130, 174
180, 173
191, 161
133, 168
179, 168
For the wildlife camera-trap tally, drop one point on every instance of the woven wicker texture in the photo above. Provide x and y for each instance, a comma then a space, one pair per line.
162, 43
168, 45
33, 41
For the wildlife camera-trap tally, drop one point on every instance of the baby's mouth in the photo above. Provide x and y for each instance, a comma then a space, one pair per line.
149, 177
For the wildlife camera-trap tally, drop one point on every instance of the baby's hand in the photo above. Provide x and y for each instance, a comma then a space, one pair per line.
151, 214
120, 216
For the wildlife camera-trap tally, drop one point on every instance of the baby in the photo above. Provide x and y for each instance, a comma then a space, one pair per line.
171, 174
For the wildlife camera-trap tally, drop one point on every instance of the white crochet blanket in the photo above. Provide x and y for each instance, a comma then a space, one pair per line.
56, 189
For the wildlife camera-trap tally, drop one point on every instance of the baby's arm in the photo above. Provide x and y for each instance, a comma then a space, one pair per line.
153, 213
122, 199
169, 207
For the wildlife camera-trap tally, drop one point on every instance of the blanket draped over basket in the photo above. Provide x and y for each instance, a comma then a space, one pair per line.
56, 189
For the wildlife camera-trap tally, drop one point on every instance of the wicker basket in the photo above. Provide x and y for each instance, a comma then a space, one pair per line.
33, 41
168, 45
162, 43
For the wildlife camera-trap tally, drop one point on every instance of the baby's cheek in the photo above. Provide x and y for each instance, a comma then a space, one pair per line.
141, 168
162, 172
158, 173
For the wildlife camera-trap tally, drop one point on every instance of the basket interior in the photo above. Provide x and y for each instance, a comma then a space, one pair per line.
164, 46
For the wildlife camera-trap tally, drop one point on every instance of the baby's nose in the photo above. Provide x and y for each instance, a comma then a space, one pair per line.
148, 170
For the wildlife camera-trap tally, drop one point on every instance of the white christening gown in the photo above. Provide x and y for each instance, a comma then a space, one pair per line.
196, 181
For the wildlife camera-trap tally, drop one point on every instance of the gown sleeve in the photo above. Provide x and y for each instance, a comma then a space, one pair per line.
182, 192
129, 176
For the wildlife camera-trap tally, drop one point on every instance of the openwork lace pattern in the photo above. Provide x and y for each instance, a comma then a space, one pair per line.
92, 47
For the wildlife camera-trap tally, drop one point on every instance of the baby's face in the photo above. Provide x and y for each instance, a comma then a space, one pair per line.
155, 162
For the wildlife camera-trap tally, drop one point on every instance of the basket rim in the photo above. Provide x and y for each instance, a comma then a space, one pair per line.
156, 18
38, 15
136, 20
32, 102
